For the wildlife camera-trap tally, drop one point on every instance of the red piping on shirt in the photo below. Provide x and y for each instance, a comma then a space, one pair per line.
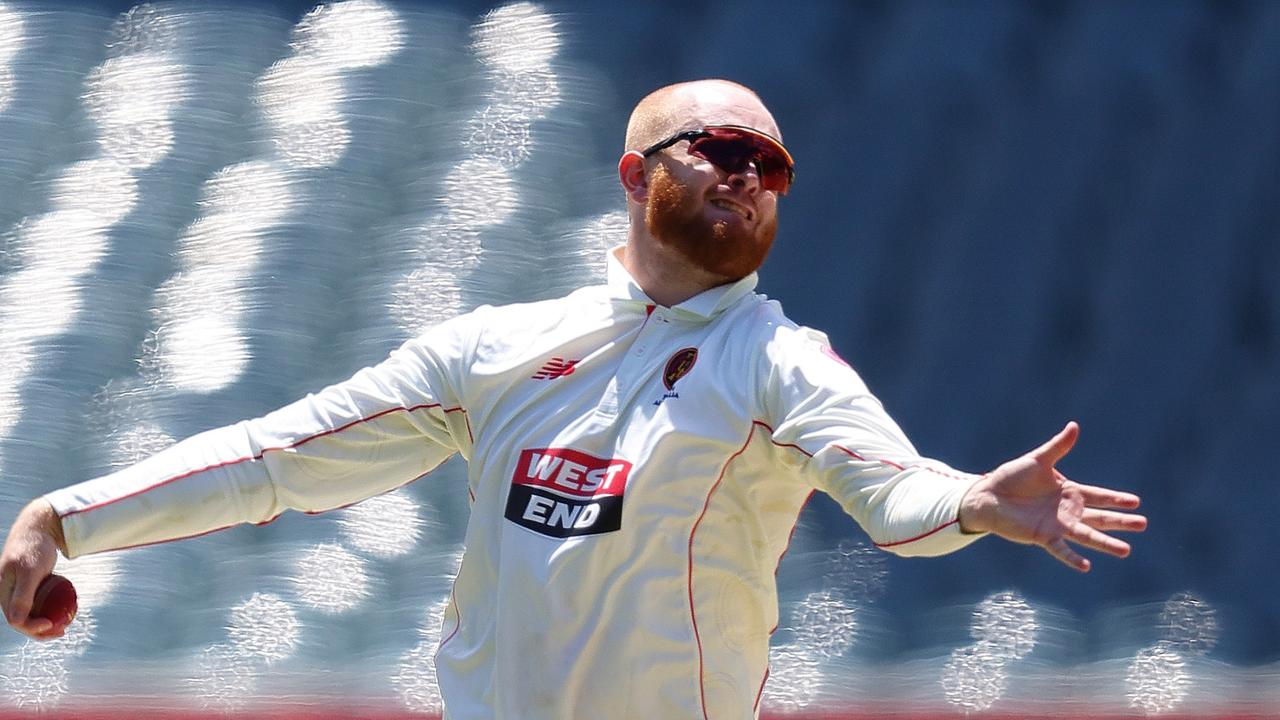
259, 455
792, 534
184, 537
889, 463
693, 616
760, 692
921, 536
456, 628
707, 503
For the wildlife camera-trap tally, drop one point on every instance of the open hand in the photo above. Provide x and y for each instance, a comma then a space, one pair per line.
1028, 501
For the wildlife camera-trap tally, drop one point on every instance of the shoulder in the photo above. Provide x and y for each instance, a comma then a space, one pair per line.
497, 329
771, 333
787, 352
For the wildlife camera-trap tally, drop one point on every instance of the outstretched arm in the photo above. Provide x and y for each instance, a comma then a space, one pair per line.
1028, 501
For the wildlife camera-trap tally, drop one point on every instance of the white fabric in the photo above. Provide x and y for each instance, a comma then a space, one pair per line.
625, 526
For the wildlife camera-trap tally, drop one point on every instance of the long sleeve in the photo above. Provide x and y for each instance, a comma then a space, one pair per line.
386, 426
850, 448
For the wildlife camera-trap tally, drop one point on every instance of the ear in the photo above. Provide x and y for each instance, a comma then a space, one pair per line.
631, 174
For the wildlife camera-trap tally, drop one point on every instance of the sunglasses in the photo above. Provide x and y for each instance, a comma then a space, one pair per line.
733, 147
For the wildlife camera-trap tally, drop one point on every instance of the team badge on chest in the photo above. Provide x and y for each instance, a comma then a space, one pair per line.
678, 365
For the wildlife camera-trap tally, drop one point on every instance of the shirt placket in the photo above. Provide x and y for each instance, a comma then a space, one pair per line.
638, 364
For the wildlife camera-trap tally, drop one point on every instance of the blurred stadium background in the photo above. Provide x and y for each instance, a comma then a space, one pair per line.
1007, 215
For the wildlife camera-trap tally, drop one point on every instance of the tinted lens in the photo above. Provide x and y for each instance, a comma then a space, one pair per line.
732, 151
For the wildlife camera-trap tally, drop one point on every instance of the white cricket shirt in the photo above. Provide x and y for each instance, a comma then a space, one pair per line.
635, 476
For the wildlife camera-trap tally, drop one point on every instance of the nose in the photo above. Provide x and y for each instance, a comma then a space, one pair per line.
748, 179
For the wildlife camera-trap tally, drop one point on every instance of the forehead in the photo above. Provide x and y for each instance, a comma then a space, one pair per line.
721, 104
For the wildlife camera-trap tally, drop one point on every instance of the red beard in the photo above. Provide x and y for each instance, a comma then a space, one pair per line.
675, 218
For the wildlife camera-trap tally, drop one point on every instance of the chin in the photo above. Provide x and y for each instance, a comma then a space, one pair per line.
683, 222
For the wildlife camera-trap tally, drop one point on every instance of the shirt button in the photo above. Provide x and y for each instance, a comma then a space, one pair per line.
639, 351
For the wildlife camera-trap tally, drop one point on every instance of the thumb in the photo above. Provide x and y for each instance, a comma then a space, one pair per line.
1057, 446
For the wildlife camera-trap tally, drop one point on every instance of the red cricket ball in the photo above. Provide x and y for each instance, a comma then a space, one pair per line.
55, 601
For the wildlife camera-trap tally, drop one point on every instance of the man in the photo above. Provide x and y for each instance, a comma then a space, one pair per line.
639, 454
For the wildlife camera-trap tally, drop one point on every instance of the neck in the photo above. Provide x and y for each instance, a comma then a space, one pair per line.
664, 275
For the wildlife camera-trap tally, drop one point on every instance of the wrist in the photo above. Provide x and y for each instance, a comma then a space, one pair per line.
975, 509
45, 518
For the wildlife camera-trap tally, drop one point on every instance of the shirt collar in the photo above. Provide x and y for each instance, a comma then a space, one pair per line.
705, 305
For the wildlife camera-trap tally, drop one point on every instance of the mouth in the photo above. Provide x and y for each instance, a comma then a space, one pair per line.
734, 207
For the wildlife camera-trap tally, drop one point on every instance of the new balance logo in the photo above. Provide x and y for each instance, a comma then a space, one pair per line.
555, 367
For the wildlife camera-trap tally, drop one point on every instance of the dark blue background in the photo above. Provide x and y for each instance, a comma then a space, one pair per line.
1011, 214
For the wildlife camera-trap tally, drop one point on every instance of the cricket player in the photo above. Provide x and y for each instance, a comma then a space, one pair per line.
639, 453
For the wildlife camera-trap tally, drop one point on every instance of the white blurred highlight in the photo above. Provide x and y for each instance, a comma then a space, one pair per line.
794, 679
42, 298
118, 415
135, 444
415, 679
264, 627
145, 28
1189, 624
517, 38
353, 34
34, 677
431, 292
200, 344
1006, 629
825, 625
974, 679
1006, 625
102, 188
593, 239
1157, 681
302, 95
331, 579
479, 192
96, 577
301, 100
132, 99
80, 634
223, 677
385, 526
515, 44
498, 136
12, 36
856, 569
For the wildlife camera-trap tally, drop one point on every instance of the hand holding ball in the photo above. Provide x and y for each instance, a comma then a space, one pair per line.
55, 601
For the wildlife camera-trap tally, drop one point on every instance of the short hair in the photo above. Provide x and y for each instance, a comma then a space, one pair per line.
657, 116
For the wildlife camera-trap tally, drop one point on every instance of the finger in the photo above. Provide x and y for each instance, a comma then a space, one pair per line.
6, 590
1109, 520
1057, 446
1063, 552
49, 632
1101, 497
1084, 535
37, 628
24, 594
